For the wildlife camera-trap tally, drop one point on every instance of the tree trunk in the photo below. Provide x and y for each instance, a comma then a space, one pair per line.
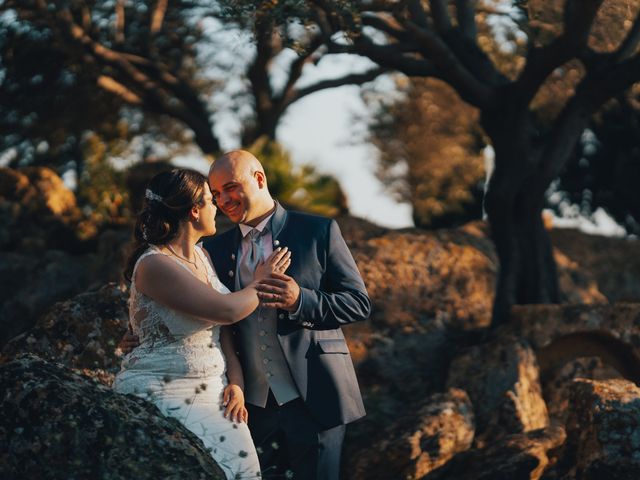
514, 201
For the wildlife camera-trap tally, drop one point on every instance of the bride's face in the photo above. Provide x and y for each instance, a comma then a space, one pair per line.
208, 213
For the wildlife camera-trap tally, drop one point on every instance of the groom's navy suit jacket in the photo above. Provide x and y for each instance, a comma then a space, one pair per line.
333, 294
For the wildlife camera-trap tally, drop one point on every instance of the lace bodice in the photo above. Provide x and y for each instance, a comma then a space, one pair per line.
170, 341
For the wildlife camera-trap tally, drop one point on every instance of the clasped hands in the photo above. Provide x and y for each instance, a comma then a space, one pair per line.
275, 288
279, 291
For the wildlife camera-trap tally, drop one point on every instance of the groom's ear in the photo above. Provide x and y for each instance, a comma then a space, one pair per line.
261, 178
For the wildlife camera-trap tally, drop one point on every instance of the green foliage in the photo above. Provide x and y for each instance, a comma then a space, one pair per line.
101, 188
301, 188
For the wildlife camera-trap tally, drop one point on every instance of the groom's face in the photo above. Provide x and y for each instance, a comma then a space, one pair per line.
233, 191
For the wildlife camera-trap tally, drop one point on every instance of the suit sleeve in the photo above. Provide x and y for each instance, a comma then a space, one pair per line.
343, 298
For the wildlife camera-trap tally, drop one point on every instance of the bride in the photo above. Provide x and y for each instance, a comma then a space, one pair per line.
185, 363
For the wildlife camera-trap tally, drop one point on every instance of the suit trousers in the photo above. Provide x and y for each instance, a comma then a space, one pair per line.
291, 444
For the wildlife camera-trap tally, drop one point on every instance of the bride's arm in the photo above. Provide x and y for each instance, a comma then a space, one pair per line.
167, 283
233, 396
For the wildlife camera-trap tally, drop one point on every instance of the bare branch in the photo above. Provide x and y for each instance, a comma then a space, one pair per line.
386, 25
440, 15
162, 92
352, 79
390, 56
157, 17
630, 43
417, 13
295, 71
465, 11
120, 21
578, 19
117, 88
451, 68
591, 93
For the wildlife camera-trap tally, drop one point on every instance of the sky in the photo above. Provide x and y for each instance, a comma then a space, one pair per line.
320, 130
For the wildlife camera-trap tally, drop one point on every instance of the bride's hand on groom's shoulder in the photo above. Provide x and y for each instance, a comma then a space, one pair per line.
233, 401
277, 262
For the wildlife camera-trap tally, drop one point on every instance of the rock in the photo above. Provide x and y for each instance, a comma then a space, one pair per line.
81, 333
603, 430
419, 441
562, 333
501, 378
57, 424
522, 456
30, 284
417, 275
612, 263
556, 385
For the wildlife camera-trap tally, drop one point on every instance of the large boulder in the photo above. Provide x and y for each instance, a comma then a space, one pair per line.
55, 424
562, 333
81, 333
523, 456
501, 378
603, 430
419, 441
557, 384
417, 274
30, 284
612, 263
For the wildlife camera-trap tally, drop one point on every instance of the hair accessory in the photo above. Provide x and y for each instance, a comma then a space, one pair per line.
149, 195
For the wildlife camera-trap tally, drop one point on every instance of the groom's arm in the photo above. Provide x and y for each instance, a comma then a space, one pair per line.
343, 298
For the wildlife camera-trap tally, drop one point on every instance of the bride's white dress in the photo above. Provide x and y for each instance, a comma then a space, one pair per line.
180, 367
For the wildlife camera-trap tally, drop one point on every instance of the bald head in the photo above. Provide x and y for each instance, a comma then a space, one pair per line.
239, 185
237, 161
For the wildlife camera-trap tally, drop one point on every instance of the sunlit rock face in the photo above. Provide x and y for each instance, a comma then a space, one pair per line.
418, 441
58, 424
81, 333
501, 378
524, 456
603, 430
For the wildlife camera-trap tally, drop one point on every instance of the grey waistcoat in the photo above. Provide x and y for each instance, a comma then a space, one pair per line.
266, 367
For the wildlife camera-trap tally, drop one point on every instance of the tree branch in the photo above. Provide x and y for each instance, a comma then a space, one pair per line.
295, 71
465, 12
155, 92
119, 36
440, 15
578, 19
352, 79
157, 17
591, 93
379, 23
417, 13
112, 85
451, 68
390, 56
630, 43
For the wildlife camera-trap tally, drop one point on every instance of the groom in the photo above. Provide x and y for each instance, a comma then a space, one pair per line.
300, 384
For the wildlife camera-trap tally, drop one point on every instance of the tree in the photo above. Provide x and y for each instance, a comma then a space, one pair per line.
440, 39
146, 54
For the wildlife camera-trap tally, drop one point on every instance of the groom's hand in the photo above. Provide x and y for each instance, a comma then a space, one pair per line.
279, 291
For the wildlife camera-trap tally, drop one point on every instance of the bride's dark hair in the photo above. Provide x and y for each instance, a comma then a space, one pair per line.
168, 199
